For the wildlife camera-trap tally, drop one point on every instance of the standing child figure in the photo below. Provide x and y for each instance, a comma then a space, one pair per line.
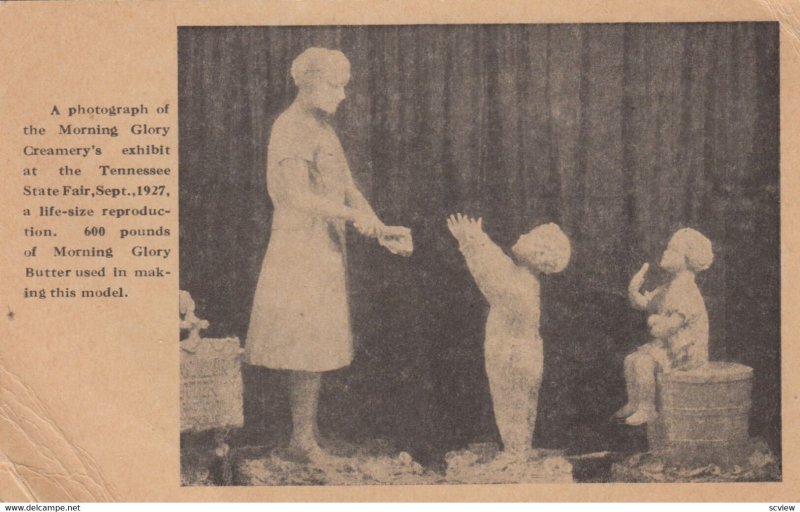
513, 345
678, 323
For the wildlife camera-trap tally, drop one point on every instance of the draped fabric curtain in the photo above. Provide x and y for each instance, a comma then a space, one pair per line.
620, 133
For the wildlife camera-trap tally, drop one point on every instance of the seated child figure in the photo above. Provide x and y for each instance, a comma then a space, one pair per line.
678, 323
513, 346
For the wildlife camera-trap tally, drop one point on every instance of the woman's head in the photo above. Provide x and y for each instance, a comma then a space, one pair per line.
687, 249
545, 249
321, 75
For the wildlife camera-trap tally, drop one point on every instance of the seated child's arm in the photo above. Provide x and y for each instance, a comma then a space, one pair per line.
638, 299
665, 325
682, 309
494, 272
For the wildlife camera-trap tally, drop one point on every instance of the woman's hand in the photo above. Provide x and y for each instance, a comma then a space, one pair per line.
397, 240
463, 228
368, 225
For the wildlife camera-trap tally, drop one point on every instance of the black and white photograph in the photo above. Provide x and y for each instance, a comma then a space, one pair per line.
479, 254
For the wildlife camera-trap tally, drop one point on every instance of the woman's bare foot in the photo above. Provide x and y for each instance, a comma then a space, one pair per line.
642, 416
310, 452
627, 410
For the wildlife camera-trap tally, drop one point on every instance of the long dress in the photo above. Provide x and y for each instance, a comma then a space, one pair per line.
300, 318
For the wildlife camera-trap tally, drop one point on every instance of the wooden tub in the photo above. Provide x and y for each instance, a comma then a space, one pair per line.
703, 414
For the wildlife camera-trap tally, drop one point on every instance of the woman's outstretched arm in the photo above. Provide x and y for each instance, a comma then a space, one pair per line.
291, 185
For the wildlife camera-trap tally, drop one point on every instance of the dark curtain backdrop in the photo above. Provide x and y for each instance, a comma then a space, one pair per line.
619, 133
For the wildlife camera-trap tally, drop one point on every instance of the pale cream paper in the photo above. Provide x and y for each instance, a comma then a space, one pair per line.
89, 395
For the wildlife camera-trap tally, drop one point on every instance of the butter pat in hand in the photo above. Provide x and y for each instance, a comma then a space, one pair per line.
397, 240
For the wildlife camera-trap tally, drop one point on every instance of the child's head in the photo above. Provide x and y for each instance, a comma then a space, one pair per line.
687, 249
545, 249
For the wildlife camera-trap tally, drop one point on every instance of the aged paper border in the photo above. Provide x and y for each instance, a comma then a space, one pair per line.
105, 378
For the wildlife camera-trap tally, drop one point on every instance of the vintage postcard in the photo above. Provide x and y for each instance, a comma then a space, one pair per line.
380, 251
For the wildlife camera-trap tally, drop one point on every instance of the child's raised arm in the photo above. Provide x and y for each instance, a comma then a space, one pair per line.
494, 272
638, 299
